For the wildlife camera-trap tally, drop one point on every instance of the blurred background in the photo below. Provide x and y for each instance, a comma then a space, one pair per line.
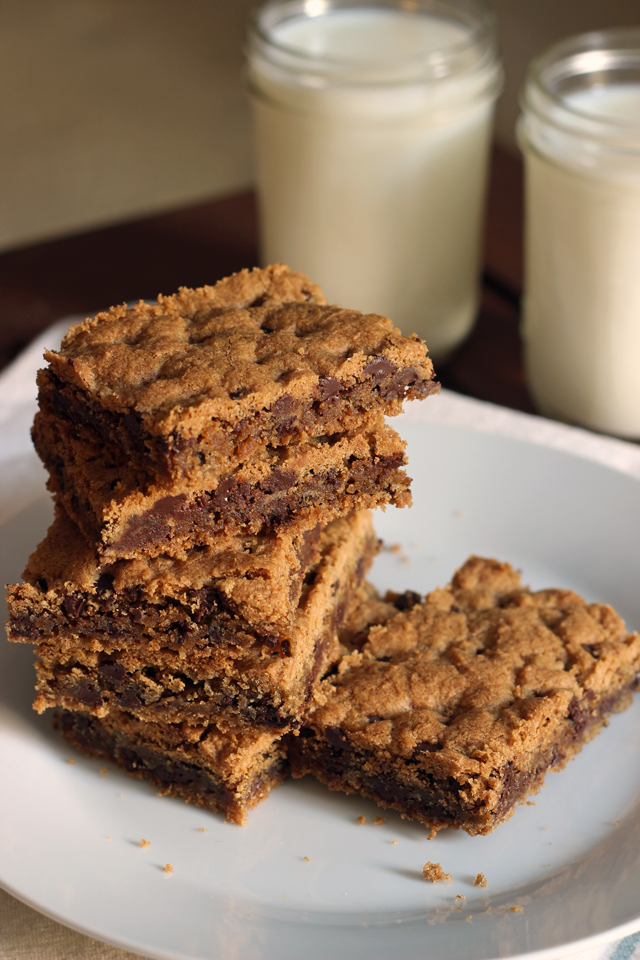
126, 167
112, 109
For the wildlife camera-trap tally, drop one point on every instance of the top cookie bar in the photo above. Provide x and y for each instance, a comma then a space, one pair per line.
257, 359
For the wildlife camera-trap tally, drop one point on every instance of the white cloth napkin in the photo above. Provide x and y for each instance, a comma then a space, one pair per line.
27, 935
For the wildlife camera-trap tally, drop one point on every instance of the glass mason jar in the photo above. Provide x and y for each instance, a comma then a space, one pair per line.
372, 122
580, 135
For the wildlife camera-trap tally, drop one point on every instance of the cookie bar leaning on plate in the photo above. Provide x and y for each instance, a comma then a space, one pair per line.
452, 711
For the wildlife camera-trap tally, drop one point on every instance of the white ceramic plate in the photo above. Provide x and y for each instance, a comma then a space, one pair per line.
70, 835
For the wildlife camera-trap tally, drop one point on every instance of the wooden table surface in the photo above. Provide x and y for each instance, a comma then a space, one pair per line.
200, 244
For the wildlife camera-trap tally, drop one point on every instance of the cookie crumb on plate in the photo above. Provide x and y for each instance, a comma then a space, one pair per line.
434, 872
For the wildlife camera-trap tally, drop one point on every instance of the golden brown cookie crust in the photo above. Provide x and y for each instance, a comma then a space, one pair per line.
226, 351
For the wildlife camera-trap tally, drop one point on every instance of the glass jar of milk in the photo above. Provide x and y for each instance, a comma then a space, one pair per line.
372, 125
580, 133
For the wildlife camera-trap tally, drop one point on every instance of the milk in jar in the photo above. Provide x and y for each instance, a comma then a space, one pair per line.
372, 130
580, 132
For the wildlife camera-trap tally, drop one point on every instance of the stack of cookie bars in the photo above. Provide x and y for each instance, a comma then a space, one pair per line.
213, 458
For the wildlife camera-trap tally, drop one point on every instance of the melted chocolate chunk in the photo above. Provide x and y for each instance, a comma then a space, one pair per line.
153, 524
379, 369
308, 545
177, 773
423, 388
277, 481
396, 388
580, 712
207, 599
112, 670
89, 694
406, 600
23, 627
179, 443
104, 583
165, 508
129, 699
74, 605
132, 422
329, 387
338, 617
224, 493
337, 739
593, 649
283, 406
426, 747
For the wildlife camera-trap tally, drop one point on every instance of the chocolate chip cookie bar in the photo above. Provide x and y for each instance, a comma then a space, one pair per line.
288, 489
194, 397
172, 640
453, 710
223, 768
248, 590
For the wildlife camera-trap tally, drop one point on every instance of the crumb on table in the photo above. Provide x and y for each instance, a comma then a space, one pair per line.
168, 868
362, 821
516, 909
145, 843
379, 821
202, 829
460, 896
308, 859
434, 872
480, 881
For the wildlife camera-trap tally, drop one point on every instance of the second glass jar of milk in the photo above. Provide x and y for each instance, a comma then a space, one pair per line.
373, 122
580, 133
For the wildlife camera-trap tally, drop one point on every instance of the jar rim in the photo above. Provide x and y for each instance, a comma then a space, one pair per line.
475, 15
585, 61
